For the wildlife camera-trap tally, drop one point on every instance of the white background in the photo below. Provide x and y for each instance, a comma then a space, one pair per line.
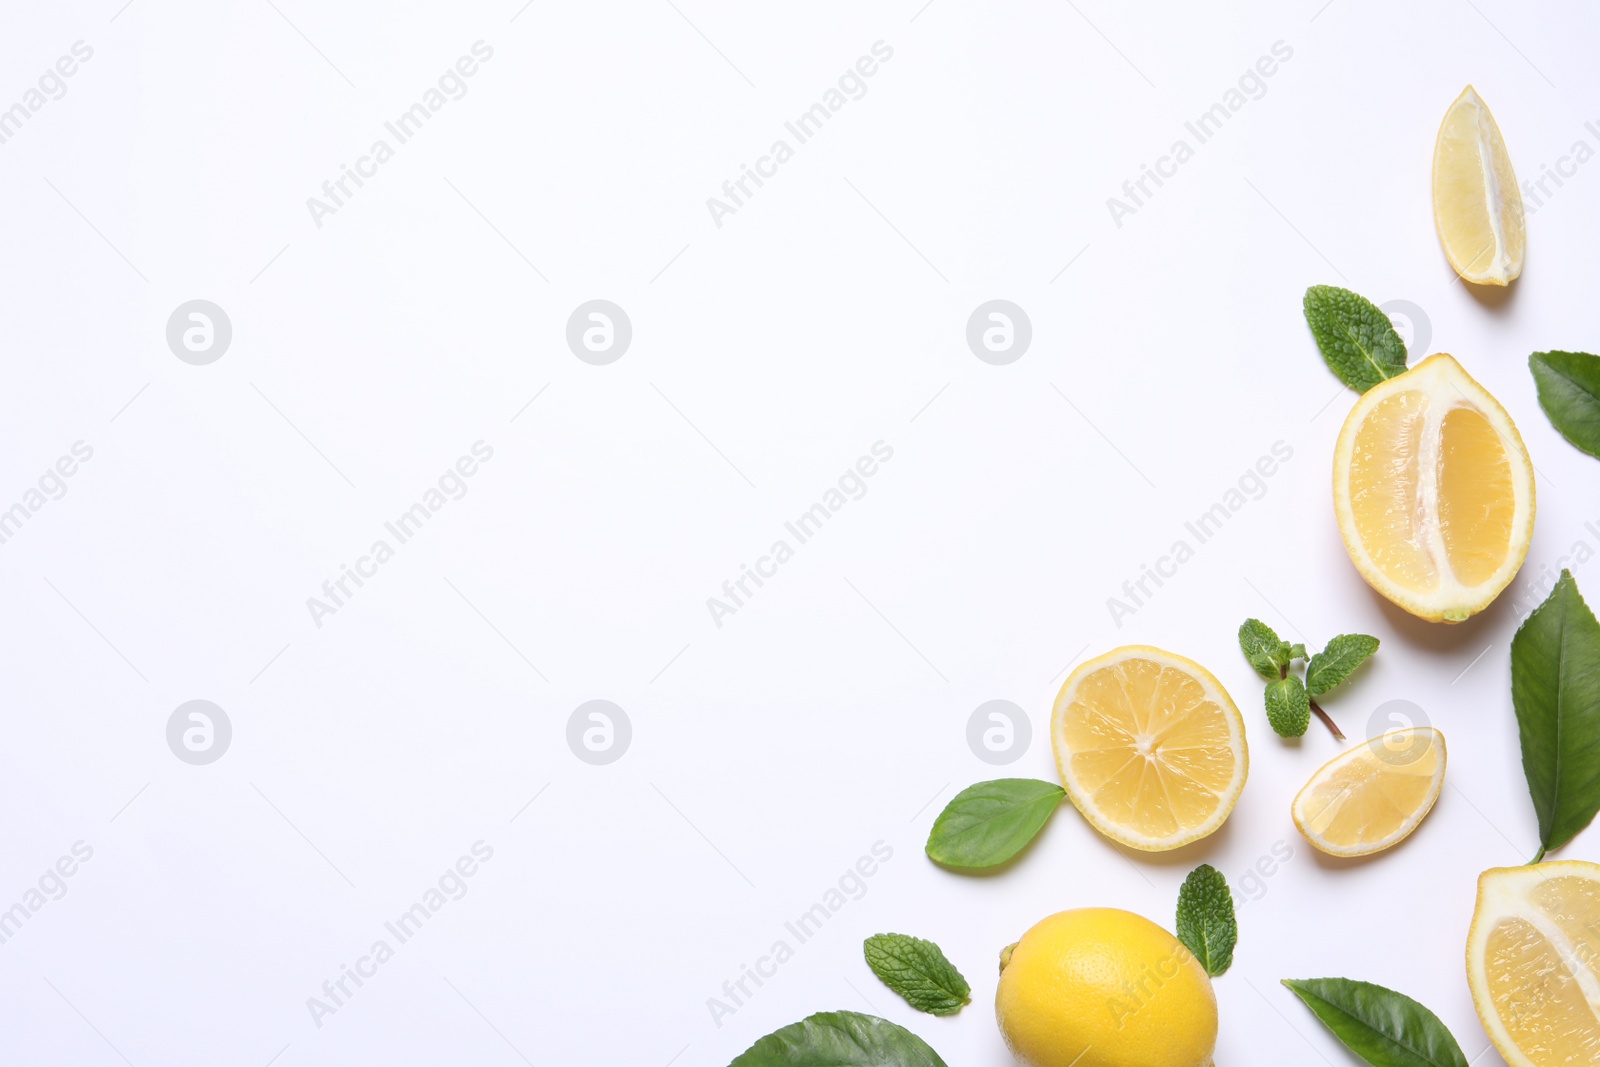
768, 354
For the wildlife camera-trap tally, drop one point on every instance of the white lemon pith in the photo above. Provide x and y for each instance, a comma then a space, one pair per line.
1150, 747
1533, 962
1434, 491
1102, 987
1477, 207
1371, 797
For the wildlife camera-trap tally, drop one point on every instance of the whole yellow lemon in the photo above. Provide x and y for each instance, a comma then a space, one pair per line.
1102, 987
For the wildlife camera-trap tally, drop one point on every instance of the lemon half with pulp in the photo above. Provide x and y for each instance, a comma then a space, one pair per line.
1433, 490
1533, 962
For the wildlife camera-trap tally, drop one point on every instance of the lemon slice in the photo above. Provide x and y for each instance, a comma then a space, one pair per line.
1433, 491
1477, 206
1150, 747
1372, 797
1533, 962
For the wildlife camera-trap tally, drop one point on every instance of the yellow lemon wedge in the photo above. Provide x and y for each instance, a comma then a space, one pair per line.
1150, 747
1371, 797
1533, 962
1477, 206
1433, 490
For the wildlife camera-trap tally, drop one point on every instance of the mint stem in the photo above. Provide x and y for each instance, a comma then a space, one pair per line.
1337, 733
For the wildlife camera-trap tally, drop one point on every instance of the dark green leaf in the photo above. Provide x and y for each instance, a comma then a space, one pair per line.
1569, 392
1206, 923
1288, 706
840, 1039
1385, 1028
1262, 648
1338, 660
990, 822
1357, 340
1555, 688
918, 971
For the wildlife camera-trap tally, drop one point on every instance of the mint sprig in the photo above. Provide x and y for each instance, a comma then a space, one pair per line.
1206, 923
1357, 340
1290, 701
918, 971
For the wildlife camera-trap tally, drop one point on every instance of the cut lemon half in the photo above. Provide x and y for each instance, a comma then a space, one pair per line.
1433, 490
1477, 206
1533, 962
1150, 747
1372, 797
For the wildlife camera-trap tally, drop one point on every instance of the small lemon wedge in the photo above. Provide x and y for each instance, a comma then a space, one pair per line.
1371, 797
1477, 206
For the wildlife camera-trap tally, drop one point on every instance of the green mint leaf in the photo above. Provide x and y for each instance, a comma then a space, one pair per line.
988, 823
1297, 651
1338, 660
1555, 688
1385, 1028
840, 1039
1288, 706
1569, 392
1262, 648
1206, 924
918, 971
1357, 340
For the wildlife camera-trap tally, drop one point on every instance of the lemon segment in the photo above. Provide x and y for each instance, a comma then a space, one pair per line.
1149, 746
1102, 987
1371, 797
1532, 958
1477, 206
1434, 491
